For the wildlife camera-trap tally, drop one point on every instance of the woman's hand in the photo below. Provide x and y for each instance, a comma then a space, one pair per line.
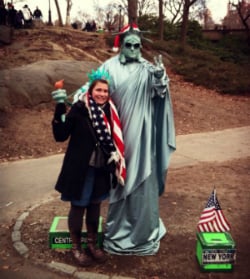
59, 95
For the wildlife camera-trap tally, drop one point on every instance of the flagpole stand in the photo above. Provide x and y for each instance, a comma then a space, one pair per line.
215, 251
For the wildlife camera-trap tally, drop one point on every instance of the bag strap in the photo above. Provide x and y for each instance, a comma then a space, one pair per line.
92, 131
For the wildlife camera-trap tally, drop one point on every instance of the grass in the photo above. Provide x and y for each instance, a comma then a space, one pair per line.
225, 69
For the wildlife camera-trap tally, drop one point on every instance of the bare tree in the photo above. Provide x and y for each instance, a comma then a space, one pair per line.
146, 7
68, 9
161, 20
185, 17
135, 8
243, 9
13, 2
132, 10
82, 18
198, 10
174, 10
112, 15
59, 13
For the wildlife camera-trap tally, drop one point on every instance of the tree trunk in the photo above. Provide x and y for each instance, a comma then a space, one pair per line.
69, 6
132, 11
161, 23
59, 13
244, 14
184, 25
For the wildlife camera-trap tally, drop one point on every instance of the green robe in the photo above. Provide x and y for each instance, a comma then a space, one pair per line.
133, 225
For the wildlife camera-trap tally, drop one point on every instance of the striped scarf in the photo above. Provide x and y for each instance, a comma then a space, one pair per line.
109, 136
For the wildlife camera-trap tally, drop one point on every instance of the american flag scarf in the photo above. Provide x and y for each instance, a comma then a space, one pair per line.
109, 136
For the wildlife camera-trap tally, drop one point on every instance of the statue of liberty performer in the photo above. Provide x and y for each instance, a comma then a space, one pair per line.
140, 91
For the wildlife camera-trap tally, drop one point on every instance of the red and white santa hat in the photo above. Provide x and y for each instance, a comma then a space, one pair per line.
124, 29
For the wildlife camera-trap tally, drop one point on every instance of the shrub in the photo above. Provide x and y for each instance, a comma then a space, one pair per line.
207, 67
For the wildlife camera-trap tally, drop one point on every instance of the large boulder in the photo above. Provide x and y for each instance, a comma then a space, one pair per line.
31, 85
6, 33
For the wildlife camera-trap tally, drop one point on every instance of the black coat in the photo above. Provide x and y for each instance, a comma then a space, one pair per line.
80, 147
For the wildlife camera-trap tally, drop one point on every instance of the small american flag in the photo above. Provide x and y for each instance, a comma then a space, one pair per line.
212, 218
119, 144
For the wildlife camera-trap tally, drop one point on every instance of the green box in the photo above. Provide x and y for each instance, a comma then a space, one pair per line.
59, 237
215, 251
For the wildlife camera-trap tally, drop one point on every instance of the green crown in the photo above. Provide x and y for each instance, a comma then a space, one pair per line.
98, 74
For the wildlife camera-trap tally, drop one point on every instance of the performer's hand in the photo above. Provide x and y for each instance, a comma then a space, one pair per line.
159, 67
59, 95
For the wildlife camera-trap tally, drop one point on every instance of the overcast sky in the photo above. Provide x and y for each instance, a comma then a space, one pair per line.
217, 7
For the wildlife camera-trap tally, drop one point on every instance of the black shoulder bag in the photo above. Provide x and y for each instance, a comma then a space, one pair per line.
99, 157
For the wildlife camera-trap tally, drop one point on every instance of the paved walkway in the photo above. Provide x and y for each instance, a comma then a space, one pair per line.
35, 178
216, 146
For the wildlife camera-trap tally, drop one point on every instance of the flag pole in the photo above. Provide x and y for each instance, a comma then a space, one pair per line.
214, 193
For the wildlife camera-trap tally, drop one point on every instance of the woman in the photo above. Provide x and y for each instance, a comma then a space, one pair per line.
91, 122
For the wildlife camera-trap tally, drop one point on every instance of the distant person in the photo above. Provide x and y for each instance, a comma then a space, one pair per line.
3, 13
37, 16
99, 29
87, 27
93, 26
27, 16
74, 25
11, 14
19, 20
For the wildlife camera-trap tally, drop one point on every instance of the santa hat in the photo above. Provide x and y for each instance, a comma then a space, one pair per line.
124, 29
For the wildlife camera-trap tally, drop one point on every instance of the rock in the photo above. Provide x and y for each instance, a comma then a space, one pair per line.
5, 34
31, 85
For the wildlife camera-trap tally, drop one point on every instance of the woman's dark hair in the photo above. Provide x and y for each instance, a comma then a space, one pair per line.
93, 84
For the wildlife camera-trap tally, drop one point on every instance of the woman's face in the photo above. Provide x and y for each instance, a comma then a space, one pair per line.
100, 93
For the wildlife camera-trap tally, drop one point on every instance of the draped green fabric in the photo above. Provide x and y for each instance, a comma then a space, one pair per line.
144, 105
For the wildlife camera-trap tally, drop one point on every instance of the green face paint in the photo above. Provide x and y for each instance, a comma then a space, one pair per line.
131, 47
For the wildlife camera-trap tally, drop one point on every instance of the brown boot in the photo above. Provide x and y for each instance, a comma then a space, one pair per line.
79, 255
97, 253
